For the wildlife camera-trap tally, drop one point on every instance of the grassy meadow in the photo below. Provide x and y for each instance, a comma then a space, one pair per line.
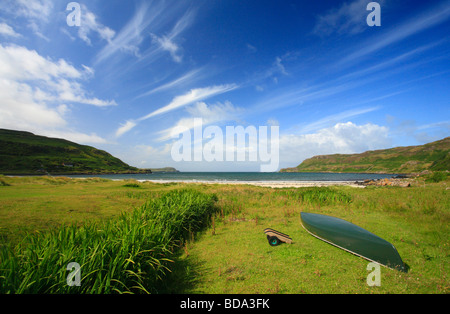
133, 237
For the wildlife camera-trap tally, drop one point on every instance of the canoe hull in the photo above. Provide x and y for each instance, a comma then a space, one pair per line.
353, 239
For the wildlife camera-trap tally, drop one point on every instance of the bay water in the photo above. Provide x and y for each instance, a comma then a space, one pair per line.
241, 176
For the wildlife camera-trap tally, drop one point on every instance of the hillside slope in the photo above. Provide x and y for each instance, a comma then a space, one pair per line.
433, 156
26, 153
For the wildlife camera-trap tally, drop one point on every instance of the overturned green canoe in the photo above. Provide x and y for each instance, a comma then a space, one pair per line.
353, 239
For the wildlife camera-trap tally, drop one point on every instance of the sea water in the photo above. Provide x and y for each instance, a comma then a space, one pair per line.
241, 176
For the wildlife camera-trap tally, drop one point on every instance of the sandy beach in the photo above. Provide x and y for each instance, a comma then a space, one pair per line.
271, 184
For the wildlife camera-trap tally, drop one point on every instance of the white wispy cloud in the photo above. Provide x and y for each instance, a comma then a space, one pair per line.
189, 77
279, 66
73, 92
424, 133
130, 36
89, 24
74, 136
273, 72
275, 69
334, 119
393, 62
433, 17
36, 91
349, 18
148, 156
19, 63
297, 96
167, 42
251, 48
125, 127
194, 95
209, 114
37, 9
7, 30
148, 19
37, 12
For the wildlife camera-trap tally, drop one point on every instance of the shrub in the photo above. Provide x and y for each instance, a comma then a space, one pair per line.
436, 177
129, 254
319, 196
131, 185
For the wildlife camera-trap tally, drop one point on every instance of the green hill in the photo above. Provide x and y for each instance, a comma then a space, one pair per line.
433, 156
26, 153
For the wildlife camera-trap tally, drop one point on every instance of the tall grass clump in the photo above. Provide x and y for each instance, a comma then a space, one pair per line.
128, 254
3, 181
437, 177
318, 196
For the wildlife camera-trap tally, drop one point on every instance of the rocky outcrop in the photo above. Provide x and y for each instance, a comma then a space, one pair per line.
387, 182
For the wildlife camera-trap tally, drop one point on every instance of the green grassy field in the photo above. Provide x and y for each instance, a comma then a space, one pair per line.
232, 254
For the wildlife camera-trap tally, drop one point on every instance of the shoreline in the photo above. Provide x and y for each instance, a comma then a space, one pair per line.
271, 184
401, 182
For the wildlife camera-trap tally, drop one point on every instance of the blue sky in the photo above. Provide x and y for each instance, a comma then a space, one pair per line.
132, 71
